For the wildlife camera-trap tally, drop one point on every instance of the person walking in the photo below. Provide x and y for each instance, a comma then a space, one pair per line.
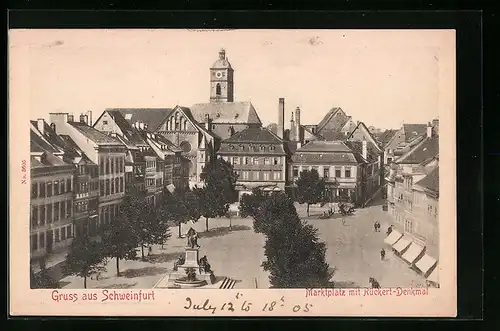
389, 230
375, 226
382, 254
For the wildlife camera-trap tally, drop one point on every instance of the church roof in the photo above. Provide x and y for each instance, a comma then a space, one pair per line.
221, 64
226, 112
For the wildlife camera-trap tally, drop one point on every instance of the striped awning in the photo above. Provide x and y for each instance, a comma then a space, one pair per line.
401, 244
393, 237
413, 252
425, 263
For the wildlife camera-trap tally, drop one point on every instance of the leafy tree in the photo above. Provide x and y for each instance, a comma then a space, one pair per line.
250, 203
310, 188
84, 258
295, 257
42, 279
180, 207
120, 238
219, 189
160, 229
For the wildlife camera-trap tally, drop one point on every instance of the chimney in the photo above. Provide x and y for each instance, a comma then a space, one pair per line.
53, 127
40, 124
208, 123
365, 150
297, 123
136, 124
71, 118
141, 125
292, 133
281, 118
59, 119
429, 130
82, 118
89, 118
145, 126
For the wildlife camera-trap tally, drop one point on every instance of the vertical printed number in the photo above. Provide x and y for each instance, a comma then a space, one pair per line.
23, 170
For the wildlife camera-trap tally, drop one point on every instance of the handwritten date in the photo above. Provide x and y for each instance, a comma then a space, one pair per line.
246, 306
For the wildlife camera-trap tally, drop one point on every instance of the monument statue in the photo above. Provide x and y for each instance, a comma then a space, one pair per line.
192, 238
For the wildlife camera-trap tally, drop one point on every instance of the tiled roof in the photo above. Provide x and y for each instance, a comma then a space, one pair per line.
153, 117
431, 181
385, 136
226, 112
324, 146
332, 135
327, 118
48, 159
412, 130
38, 144
95, 135
357, 146
131, 136
428, 148
254, 135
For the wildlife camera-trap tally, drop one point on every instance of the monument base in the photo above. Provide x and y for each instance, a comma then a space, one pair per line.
179, 277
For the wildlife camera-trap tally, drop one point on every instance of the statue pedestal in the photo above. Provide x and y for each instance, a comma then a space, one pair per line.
179, 277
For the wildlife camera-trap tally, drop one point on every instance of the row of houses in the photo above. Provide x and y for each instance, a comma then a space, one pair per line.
413, 200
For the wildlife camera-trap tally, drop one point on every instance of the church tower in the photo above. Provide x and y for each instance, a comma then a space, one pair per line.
221, 80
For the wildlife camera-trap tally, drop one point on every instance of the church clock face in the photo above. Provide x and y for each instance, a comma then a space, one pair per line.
218, 74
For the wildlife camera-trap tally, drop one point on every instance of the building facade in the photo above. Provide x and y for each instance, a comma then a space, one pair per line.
258, 157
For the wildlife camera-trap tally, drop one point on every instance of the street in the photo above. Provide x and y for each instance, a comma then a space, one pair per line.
353, 253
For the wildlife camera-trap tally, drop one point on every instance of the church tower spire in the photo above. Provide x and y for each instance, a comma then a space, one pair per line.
221, 79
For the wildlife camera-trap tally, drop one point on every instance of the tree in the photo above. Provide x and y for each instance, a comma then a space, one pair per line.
84, 258
250, 203
295, 257
310, 188
180, 207
120, 238
219, 189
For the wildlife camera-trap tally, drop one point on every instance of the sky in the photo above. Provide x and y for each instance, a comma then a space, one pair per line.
383, 78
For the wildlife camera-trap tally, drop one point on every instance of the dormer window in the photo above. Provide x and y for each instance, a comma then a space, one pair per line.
271, 148
105, 122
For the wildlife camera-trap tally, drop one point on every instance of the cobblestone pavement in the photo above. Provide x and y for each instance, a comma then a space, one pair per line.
353, 252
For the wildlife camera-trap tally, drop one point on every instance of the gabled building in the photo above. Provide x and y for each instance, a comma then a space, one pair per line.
105, 151
259, 158
51, 203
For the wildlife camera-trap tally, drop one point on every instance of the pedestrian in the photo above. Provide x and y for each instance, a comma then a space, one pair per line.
382, 254
343, 222
389, 230
150, 251
375, 226
374, 283
378, 226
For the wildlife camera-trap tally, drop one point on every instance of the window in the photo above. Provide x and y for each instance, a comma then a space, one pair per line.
276, 161
348, 173
337, 173
101, 165
106, 122
112, 164
69, 208
63, 234
42, 190
57, 235
34, 242
34, 190
255, 160
69, 188
42, 215
101, 187
266, 175
326, 172
112, 186
56, 211
236, 160
277, 175
256, 175
49, 189
121, 184
68, 231
34, 216
295, 171
108, 166
107, 192
245, 174
217, 90
41, 244
63, 209
247, 160
267, 161
62, 186
49, 213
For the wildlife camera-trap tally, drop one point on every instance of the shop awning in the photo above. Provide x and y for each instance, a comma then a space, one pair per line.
393, 237
434, 276
413, 252
425, 263
401, 244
